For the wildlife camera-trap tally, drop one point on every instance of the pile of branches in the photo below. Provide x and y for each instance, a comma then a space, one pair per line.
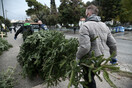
7, 79
4, 45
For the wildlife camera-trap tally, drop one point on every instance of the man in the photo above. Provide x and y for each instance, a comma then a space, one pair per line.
74, 29
41, 25
91, 29
26, 30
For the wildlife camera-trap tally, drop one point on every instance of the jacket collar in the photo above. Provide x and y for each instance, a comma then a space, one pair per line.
93, 17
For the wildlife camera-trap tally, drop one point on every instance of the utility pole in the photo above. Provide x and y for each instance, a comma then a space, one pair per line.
3, 9
3, 14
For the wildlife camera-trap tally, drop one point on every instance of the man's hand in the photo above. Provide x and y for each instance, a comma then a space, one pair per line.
113, 61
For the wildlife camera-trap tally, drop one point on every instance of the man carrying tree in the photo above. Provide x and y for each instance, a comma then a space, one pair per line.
26, 30
94, 35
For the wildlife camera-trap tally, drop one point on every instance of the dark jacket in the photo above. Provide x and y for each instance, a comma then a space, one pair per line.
25, 30
42, 26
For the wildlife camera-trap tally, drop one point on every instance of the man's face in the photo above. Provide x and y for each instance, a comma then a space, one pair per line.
39, 22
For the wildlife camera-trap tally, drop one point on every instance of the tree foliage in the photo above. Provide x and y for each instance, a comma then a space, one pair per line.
70, 11
109, 9
41, 11
7, 79
5, 21
4, 45
126, 11
53, 17
120, 10
53, 7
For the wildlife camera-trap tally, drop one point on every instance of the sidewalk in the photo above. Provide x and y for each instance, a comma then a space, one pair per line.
9, 59
119, 81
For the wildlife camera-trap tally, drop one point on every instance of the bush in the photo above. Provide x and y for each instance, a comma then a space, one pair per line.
4, 45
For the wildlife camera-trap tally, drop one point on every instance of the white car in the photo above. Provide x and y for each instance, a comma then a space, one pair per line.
129, 28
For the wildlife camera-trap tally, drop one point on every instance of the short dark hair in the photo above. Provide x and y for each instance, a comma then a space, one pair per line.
93, 8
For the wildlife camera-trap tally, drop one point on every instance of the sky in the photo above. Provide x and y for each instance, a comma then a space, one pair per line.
15, 9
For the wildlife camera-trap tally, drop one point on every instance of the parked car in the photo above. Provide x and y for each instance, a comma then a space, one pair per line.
129, 28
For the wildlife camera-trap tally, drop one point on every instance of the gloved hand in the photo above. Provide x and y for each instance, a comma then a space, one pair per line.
15, 38
113, 61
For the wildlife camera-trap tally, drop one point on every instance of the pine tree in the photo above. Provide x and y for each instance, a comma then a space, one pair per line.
53, 7
109, 9
70, 12
53, 17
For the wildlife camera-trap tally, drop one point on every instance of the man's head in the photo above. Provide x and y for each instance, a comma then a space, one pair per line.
40, 22
91, 9
26, 21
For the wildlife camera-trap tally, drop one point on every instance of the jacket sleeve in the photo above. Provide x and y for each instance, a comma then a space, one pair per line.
111, 43
84, 42
42, 26
19, 31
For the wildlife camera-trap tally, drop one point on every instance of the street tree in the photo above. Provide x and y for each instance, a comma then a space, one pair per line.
126, 11
70, 11
109, 9
5, 21
42, 12
53, 17
39, 10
